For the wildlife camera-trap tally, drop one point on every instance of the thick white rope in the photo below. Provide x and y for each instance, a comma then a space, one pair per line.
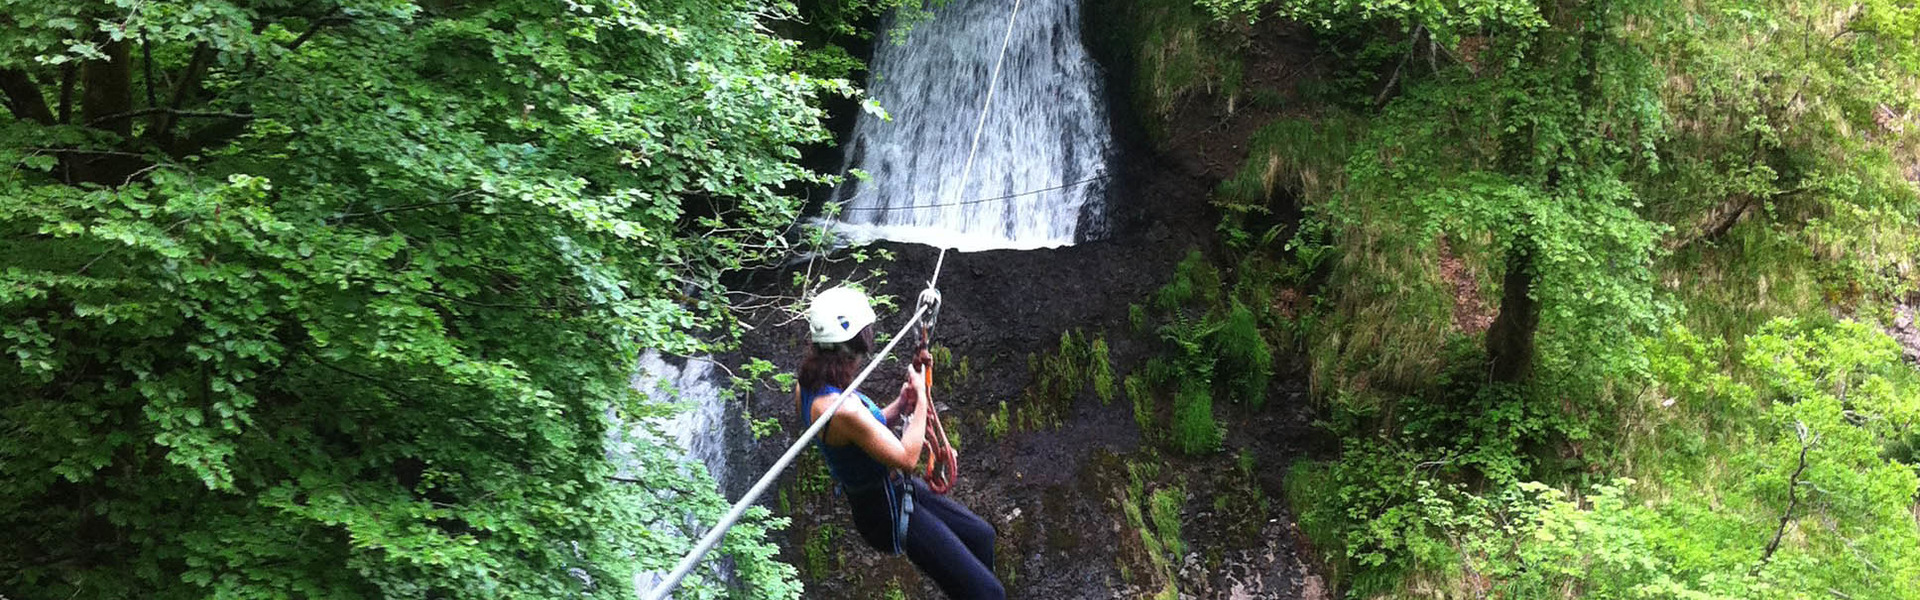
993, 83
719, 530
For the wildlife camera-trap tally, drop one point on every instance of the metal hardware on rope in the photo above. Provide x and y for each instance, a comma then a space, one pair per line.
929, 299
943, 465
719, 530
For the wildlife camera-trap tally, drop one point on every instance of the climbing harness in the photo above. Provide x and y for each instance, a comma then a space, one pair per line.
920, 318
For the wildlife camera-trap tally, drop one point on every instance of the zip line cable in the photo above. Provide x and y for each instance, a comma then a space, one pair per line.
993, 83
978, 200
719, 530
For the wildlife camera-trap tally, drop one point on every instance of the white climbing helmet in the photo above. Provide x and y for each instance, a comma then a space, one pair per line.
838, 314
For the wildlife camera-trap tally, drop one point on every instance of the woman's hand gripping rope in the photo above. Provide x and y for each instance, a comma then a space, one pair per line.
942, 463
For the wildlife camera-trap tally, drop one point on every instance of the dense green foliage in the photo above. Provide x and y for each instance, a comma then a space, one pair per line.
1100, 368
1150, 510
1807, 501
1194, 429
1572, 273
1245, 357
1213, 347
334, 299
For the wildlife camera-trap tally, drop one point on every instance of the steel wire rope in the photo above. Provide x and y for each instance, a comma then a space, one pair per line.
993, 83
845, 208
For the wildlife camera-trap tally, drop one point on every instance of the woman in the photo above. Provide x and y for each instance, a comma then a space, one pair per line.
894, 513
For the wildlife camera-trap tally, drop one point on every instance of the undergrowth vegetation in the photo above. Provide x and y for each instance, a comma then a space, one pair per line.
1213, 347
1175, 58
1059, 377
1152, 510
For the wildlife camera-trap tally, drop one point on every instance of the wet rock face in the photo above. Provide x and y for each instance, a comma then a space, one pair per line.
1054, 493
1906, 330
1058, 493
1055, 532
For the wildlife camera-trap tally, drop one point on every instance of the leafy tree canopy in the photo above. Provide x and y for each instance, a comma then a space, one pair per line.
1630, 177
333, 299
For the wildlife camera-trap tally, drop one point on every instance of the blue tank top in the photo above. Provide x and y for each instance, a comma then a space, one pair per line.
850, 465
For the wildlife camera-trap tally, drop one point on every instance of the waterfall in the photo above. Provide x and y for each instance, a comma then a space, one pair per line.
699, 433
1047, 130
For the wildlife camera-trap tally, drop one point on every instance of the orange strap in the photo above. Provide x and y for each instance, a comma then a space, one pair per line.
943, 466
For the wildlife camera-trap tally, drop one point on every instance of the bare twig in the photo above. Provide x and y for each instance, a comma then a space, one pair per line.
109, 251
87, 152
170, 112
1414, 46
1807, 443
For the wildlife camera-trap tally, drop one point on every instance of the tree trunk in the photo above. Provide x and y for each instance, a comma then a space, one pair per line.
23, 97
1510, 338
109, 90
69, 77
162, 130
106, 100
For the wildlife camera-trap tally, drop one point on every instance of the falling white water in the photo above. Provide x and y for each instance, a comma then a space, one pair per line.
698, 433
1047, 128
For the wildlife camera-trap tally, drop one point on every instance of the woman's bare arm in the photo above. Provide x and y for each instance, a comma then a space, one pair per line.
892, 410
859, 426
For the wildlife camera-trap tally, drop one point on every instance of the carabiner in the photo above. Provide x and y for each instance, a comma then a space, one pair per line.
930, 299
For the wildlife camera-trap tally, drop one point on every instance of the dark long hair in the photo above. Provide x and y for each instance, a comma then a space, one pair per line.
832, 364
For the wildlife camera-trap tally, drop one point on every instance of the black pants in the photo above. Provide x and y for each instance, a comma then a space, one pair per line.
948, 543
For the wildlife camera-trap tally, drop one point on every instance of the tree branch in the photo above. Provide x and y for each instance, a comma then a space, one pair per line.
1793, 497
314, 29
206, 137
23, 97
1413, 46
618, 479
196, 68
86, 152
209, 114
453, 200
